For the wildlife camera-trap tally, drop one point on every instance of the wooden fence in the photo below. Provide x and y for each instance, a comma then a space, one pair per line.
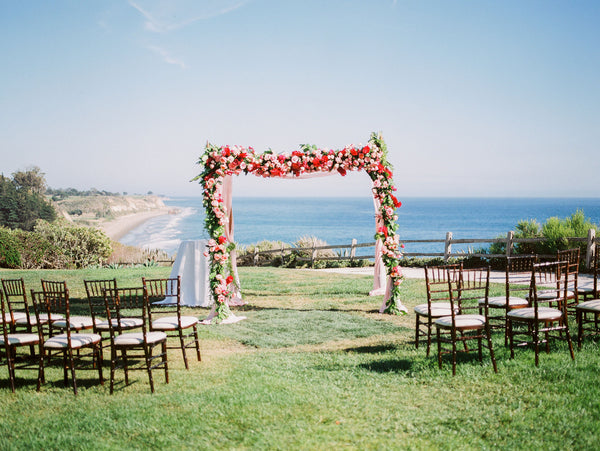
447, 243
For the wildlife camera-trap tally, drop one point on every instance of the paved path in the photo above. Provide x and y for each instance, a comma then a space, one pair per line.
584, 280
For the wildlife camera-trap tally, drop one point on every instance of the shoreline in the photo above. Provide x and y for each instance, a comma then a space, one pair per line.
117, 228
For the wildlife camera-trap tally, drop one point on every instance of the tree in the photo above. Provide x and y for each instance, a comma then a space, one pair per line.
21, 202
31, 179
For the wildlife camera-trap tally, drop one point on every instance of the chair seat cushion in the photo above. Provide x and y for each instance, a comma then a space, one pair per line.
126, 323
137, 338
500, 301
589, 306
585, 290
553, 294
16, 315
171, 323
43, 319
77, 341
461, 321
77, 322
20, 339
438, 309
544, 313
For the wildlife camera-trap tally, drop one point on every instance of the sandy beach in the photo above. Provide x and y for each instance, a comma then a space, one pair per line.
119, 227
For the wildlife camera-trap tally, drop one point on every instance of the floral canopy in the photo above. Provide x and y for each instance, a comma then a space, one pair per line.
219, 164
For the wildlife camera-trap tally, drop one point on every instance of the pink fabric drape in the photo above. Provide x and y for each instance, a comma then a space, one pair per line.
227, 195
381, 283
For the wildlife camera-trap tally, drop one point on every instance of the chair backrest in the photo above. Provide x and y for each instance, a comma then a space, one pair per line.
473, 285
16, 297
437, 280
549, 285
164, 295
55, 296
518, 275
6, 320
95, 293
125, 303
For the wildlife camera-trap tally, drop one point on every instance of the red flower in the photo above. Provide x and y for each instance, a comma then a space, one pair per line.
229, 280
397, 203
342, 171
222, 239
384, 230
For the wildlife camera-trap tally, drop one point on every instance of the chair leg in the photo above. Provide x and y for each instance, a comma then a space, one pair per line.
182, 344
439, 346
570, 343
98, 354
429, 326
509, 327
113, 365
580, 319
454, 352
491, 347
536, 344
125, 366
72, 365
164, 357
417, 323
197, 341
147, 356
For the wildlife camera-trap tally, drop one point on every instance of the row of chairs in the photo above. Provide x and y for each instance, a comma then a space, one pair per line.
535, 306
137, 321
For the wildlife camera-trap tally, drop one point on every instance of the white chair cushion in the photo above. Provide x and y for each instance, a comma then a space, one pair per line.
438, 309
553, 294
77, 322
544, 313
170, 323
20, 339
462, 321
43, 319
500, 301
585, 289
137, 338
126, 323
77, 341
589, 306
16, 315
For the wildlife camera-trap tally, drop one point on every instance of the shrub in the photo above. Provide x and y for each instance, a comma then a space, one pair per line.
79, 246
37, 252
9, 249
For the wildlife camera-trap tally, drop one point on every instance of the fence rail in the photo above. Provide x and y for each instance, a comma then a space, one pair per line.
447, 243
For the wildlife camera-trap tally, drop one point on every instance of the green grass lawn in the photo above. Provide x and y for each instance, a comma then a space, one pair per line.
314, 366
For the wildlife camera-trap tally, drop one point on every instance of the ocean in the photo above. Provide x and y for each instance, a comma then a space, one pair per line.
339, 220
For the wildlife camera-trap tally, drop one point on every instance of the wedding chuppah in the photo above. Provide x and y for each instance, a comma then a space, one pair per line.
220, 164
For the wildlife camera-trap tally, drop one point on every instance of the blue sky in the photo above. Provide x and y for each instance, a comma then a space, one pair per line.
474, 98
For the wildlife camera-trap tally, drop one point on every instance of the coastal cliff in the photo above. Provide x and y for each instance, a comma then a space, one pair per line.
95, 210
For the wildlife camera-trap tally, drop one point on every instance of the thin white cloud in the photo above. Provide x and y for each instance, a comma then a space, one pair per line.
165, 16
167, 58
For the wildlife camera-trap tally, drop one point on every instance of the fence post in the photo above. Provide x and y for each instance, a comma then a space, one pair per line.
255, 255
282, 255
353, 249
313, 254
509, 242
447, 246
591, 248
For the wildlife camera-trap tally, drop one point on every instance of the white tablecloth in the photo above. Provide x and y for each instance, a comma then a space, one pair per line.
194, 269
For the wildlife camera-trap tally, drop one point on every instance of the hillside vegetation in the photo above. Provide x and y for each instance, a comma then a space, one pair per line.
91, 210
